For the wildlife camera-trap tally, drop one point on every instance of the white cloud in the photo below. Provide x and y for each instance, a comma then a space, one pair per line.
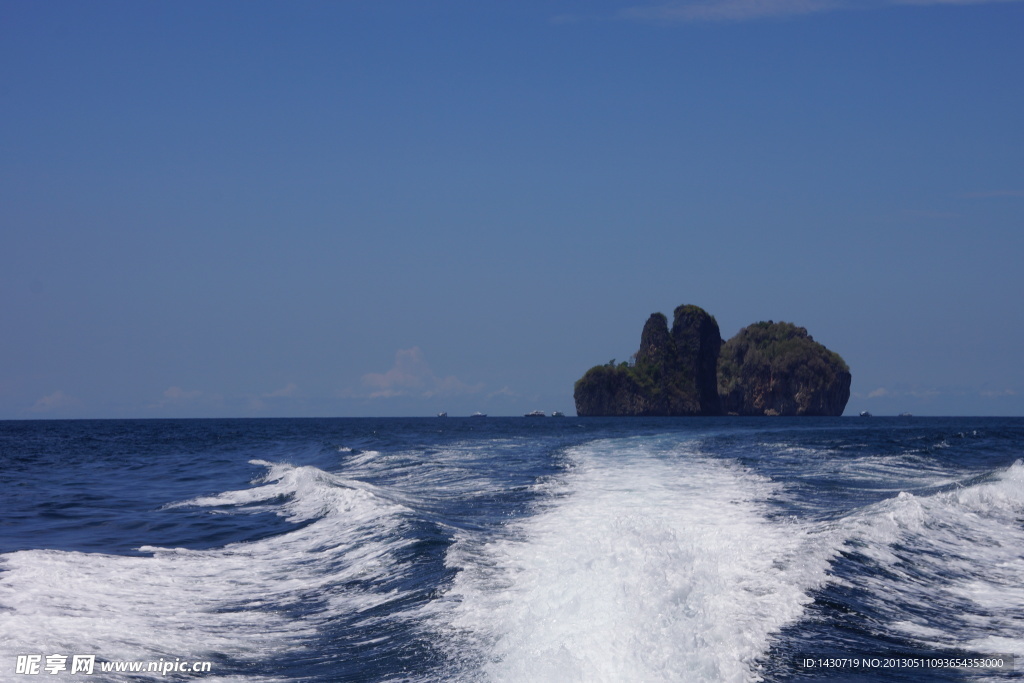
745, 10
257, 403
947, 2
287, 390
54, 401
878, 393
179, 394
411, 376
504, 391
924, 214
994, 193
176, 398
726, 10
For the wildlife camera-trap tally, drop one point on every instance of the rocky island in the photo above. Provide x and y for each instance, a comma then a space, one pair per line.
768, 368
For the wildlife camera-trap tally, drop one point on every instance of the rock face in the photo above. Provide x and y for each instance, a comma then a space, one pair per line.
773, 368
674, 373
609, 390
698, 342
767, 369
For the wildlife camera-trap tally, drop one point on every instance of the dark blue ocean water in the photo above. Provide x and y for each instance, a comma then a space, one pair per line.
514, 549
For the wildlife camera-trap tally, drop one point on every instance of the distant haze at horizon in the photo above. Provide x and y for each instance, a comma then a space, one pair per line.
384, 209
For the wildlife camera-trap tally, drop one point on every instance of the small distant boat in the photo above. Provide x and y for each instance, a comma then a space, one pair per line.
535, 413
478, 415
442, 414
557, 413
905, 415
865, 413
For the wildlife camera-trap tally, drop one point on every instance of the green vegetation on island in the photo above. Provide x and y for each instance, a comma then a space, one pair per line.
674, 372
772, 368
767, 369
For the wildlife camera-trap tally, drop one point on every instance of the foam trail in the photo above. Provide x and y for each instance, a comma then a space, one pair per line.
645, 566
953, 565
248, 601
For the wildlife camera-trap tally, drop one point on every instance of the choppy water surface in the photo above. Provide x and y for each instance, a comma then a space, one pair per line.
506, 549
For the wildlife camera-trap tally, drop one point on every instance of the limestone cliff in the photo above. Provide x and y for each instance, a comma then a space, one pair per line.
698, 342
774, 368
766, 369
610, 390
674, 372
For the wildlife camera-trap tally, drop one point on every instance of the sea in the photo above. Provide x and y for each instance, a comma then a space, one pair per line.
513, 549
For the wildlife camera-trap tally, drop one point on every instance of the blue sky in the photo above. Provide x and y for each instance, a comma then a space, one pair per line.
396, 208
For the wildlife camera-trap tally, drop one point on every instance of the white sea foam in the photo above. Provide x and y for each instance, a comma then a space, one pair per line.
954, 565
361, 458
891, 472
642, 566
249, 601
455, 472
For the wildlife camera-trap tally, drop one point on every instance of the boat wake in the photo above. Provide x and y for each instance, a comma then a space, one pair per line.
643, 565
638, 558
247, 602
